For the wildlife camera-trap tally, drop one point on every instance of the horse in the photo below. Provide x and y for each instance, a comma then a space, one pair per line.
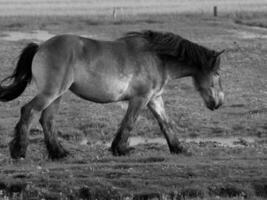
135, 68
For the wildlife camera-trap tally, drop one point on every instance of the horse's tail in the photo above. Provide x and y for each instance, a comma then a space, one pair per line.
21, 76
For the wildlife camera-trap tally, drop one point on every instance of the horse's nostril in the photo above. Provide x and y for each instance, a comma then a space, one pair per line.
211, 108
210, 105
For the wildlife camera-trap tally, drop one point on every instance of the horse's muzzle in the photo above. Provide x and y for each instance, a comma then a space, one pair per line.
216, 102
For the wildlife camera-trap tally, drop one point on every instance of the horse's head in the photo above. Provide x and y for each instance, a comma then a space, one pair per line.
208, 82
192, 59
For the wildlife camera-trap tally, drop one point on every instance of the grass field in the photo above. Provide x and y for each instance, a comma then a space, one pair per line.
213, 171
125, 7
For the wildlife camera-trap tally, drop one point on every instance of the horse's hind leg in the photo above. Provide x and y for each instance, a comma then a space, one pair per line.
55, 150
156, 105
31, 110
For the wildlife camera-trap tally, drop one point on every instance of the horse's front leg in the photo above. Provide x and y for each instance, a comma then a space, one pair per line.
120, 144
156, 105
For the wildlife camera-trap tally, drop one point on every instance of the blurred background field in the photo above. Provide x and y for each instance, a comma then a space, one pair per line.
125, 7
215, 170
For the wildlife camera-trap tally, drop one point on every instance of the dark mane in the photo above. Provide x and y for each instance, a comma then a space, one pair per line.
169, 44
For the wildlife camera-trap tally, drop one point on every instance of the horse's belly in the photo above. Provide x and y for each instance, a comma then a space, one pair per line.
101, 89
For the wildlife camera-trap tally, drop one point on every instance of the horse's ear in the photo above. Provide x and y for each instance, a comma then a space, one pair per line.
214, 58
219, 53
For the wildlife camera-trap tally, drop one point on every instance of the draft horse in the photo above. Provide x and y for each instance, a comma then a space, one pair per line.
133, 68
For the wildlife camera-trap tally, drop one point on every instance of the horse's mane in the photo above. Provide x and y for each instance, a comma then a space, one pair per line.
169, 44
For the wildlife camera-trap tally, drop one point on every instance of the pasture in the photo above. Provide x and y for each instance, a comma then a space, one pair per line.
228, 147
124, 7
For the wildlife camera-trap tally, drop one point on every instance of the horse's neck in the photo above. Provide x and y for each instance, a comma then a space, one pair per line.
177, 70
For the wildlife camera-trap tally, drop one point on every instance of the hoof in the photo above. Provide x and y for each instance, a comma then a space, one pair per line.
121, 150
179, 149
17, 150
57, 152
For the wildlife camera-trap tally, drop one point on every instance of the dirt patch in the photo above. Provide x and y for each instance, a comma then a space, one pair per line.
221, 141
36, 35
248, 34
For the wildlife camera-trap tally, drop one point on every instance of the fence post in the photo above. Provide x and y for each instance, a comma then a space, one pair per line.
215, 11
114, 14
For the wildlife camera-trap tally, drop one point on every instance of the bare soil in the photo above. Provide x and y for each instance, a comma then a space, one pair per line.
211, 170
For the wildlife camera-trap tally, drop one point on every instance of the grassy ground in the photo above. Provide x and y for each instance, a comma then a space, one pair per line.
125, 7
252, 19
90, 172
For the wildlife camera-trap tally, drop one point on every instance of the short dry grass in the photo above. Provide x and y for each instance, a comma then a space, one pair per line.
211, 172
